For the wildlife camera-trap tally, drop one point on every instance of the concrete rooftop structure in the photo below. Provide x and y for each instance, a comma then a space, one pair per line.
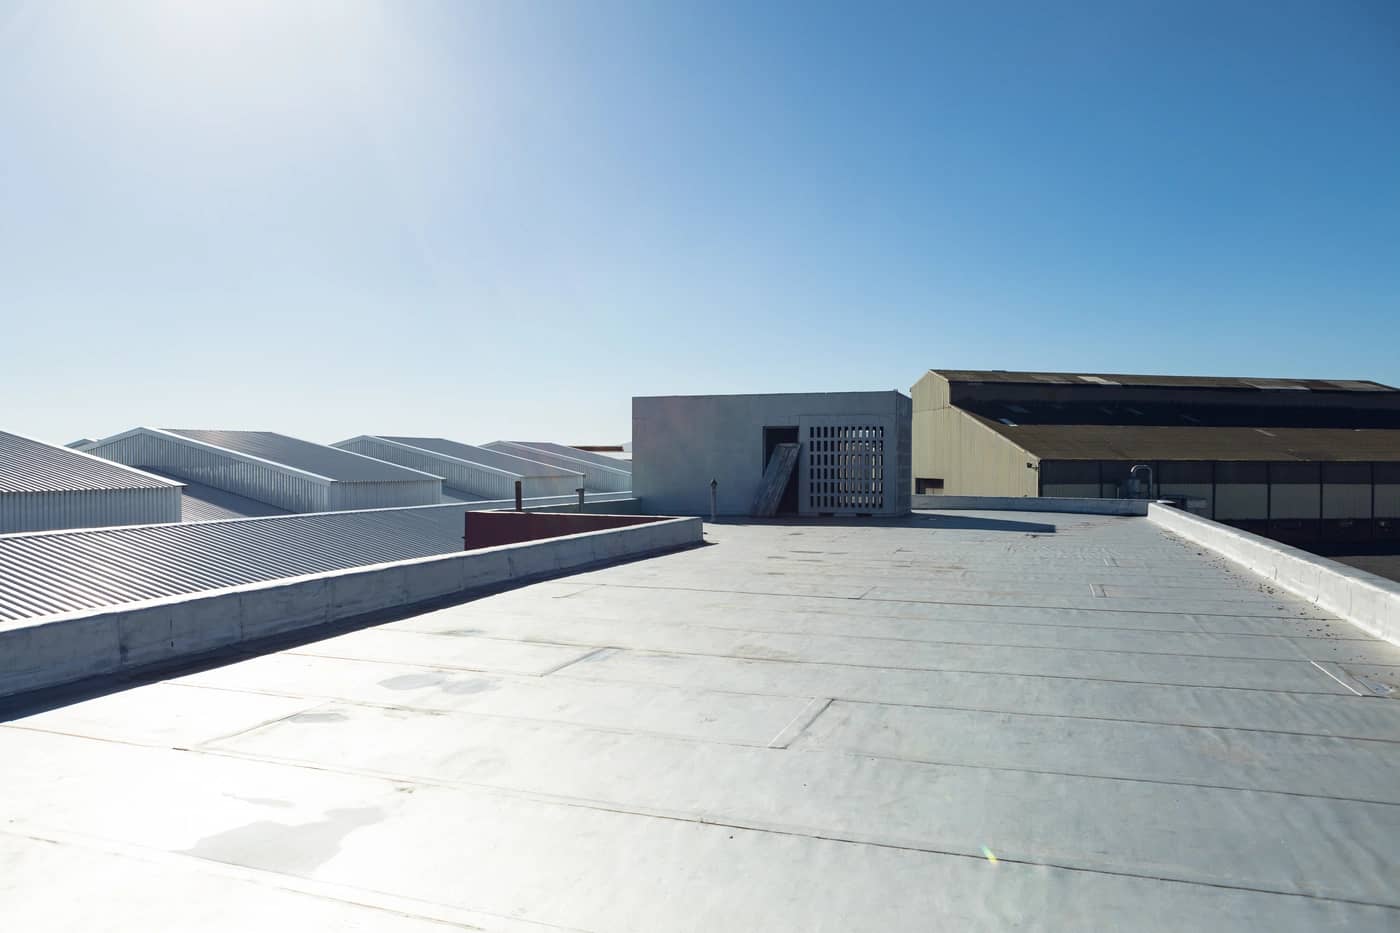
959, 720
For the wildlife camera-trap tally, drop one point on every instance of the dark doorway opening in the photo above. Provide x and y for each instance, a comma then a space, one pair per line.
772, 437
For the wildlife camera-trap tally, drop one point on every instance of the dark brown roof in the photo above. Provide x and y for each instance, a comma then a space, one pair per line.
1140, 442
1180, 382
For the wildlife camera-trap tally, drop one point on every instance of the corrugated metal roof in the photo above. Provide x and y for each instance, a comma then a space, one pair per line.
484, 456
453, 494
573, 459
1180, 382
27, 465
1148, 442
587, 456
201, 503
323, 460
64, 571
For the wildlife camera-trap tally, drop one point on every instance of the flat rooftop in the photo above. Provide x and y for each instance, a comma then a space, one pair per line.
962, 720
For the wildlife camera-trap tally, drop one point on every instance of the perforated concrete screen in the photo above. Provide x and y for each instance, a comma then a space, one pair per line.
845, 468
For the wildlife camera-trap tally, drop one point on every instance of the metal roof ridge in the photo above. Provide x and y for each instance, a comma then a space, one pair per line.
1244, 379
587, 463
173, 433
553, 470
353, 453
434, 453
111, 464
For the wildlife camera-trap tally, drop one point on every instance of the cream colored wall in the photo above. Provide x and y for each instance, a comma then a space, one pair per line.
970, 458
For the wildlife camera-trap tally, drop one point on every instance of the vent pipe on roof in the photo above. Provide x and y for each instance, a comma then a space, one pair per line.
1133, 481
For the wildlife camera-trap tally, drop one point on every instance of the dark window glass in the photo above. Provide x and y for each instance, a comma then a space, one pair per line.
1240, 472
1295, 473
1059, 472
1388, 472
1185, 471
1350, 473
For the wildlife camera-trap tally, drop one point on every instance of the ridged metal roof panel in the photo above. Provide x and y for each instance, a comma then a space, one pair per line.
65, 571
27, 465
1178, 382
323, 460
520, 466
587, 456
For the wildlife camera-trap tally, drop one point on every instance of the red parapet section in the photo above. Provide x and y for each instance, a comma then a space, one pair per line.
490, 529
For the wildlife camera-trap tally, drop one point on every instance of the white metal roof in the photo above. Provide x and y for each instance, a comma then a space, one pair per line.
64, 571
42, 573
620, 468
587, 456
520, 466
28, 465
320, 459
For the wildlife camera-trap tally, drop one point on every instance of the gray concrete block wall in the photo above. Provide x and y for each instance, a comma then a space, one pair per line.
680, 443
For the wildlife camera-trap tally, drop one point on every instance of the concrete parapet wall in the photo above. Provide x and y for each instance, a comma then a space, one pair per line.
59, 649
1034, 504
1369, 602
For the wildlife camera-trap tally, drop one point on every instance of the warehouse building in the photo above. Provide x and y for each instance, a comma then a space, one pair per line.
468, 473
254, 470
600, 473
1311, 462
852, 458
44, 487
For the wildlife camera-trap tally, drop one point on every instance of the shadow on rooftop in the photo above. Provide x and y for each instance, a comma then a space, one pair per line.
974, 523
914, 520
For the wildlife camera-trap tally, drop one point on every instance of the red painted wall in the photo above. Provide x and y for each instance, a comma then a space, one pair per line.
489, 529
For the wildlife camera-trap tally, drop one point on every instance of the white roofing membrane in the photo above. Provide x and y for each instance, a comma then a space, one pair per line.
971, 721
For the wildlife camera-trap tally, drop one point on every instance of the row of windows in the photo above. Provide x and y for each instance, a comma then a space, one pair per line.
1223, 471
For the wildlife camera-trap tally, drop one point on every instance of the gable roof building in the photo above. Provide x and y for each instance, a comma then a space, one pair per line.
44, 487
468, 472
273, 469
1304, 460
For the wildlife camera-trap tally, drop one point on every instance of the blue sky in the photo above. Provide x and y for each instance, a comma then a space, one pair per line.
486, 220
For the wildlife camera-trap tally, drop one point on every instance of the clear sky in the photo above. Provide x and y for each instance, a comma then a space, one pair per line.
505, 219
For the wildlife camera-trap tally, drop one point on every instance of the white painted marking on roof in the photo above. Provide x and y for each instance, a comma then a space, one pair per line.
1336, 678
799, 723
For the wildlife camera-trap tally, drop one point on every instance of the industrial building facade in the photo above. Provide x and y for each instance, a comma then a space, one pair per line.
853, 454
1310, 462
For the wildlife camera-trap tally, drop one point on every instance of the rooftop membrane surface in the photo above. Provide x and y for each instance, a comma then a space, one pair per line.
960, 721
